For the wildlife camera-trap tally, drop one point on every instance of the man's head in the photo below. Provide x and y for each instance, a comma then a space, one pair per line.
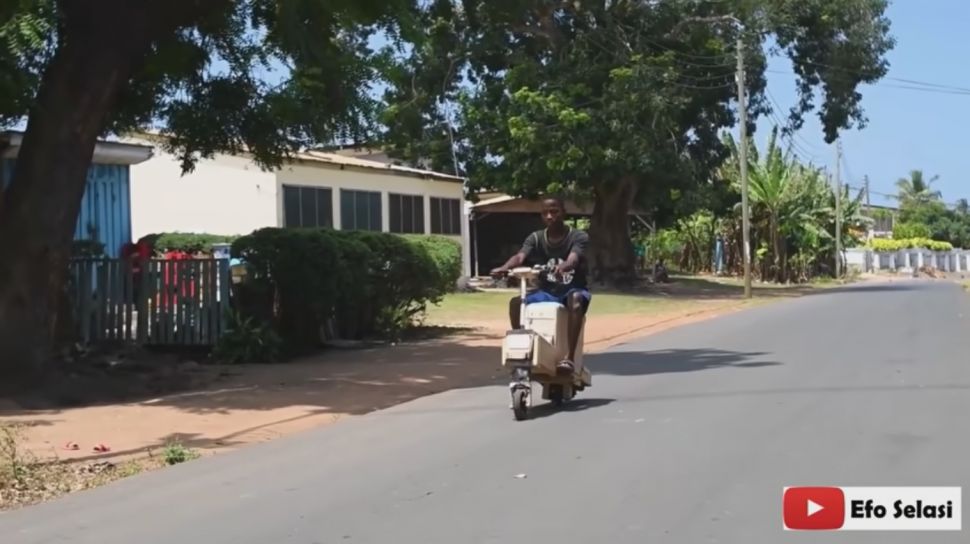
553, 211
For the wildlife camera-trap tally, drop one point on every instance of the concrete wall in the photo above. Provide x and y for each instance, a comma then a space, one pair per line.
224, 195
907, 260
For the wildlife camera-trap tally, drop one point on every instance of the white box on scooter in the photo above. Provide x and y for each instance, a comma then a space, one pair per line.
550, 321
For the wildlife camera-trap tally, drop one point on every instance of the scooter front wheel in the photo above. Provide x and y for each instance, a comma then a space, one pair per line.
520, 404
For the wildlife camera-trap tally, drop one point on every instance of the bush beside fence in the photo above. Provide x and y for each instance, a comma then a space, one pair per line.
313, 283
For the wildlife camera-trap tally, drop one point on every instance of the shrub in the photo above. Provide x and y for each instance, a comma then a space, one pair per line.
403, 278
189, 242
910, 230
446, 254
290, 280
882, 244
364, 283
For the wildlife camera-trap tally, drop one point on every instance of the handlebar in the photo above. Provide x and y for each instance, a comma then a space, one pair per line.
527, 271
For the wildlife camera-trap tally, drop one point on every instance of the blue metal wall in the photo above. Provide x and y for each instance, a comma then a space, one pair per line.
105, 208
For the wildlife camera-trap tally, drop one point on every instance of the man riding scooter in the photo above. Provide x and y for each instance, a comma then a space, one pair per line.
563, 247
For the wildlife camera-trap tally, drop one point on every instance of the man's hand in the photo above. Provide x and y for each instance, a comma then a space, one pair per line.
564, 268
499, 272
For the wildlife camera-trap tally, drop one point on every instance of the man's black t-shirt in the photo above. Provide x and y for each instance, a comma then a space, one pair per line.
539, 250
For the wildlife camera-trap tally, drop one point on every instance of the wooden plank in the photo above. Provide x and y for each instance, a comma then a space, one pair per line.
211, 303
198, 277
111, 312
168, 303
129, 302
223, 306
102, 308
82, 289
205, 276
185, 294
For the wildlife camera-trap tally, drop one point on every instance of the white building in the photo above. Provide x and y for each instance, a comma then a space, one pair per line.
230, 195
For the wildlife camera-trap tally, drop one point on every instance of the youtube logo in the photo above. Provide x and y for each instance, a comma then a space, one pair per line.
872, 508
813, 508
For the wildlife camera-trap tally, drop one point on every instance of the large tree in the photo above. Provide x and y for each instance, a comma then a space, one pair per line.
77, 71
620, 102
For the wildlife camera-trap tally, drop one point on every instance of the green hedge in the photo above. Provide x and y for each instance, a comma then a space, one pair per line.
190, 242
884, 244
369, 284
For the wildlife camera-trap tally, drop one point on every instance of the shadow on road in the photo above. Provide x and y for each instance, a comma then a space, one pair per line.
639, 363
544, 408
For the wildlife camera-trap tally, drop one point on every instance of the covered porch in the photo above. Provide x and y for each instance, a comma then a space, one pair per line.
498, 224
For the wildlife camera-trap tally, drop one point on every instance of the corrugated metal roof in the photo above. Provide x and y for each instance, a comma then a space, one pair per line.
105, 151
335, 159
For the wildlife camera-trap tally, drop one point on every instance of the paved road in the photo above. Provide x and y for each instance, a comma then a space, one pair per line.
686, 437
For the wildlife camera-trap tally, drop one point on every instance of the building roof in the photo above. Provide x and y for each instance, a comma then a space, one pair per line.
105, 152
344, 160
510, 204
339, 161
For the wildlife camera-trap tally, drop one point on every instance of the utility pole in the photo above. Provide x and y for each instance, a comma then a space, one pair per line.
838, 209
868, 207
745, 217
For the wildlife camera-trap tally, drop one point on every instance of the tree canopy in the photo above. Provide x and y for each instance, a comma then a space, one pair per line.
620, 102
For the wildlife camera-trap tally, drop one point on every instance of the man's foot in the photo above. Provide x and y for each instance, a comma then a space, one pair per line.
564, 368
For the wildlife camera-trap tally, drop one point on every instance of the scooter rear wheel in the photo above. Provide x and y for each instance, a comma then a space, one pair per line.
520, 404
557, 394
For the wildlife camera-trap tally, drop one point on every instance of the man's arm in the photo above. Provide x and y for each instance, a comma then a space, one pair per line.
576, 250
518, 258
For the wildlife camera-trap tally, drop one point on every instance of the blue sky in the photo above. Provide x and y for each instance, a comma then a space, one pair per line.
908, 129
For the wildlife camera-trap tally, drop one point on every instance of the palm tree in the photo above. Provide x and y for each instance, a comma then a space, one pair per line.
915, 191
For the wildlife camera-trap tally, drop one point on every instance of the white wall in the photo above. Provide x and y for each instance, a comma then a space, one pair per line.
225, 195
308, 174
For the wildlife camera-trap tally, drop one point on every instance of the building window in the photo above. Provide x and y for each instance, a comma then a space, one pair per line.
360, 210
307, 206
406, 214
445, 216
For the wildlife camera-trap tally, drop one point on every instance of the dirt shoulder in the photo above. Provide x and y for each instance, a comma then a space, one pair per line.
178, 404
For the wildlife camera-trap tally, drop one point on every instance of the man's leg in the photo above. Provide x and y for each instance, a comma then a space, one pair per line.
515, 305
577, 302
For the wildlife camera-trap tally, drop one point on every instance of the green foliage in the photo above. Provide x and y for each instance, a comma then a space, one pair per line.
365, 284
894, 244
247, 340
445, 252
903, 231
87, 249
175, 453
920, 204
204, 108
599, 100
186, 241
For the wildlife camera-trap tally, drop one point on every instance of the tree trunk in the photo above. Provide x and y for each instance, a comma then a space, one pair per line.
776, 248
611, 250
80, 89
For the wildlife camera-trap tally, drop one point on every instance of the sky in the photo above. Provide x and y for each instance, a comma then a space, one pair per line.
908, 128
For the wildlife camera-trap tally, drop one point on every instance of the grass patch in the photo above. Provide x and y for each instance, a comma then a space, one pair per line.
175, 453
493, 306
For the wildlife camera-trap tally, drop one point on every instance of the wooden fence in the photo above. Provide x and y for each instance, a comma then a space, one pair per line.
168, 303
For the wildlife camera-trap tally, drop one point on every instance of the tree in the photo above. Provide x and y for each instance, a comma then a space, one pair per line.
616, 102
80, 70
916, 192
